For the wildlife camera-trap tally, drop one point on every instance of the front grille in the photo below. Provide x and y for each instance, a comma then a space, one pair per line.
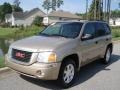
22, 56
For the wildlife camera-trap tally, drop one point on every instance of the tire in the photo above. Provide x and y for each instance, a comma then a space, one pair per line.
67, 73
107, 56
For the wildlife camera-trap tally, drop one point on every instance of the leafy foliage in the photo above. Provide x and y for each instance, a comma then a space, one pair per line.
16, 3
47, 5
98, 10
115, 13
17, 9
7, 8
4, 9
52, 4
38, 21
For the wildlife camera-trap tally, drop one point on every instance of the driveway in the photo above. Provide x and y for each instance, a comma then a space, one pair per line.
94, 76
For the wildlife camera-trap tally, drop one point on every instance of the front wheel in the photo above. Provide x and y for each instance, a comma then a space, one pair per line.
67, 73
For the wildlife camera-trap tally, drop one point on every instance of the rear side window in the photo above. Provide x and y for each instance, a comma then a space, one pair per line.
107, 29
100, 30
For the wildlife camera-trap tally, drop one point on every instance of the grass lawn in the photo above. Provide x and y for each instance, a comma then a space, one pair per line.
19, 32
7, 31
116, 33
2, 62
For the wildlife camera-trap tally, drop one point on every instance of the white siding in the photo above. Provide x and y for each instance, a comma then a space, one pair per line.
115, 22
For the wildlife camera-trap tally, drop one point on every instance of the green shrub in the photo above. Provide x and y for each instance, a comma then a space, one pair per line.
2, 64
116, 32
38, 21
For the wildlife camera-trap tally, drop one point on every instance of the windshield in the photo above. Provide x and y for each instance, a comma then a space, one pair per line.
68, 30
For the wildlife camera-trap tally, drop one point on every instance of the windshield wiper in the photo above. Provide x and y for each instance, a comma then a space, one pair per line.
44, 34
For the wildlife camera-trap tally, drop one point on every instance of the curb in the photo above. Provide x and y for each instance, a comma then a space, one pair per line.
3, 70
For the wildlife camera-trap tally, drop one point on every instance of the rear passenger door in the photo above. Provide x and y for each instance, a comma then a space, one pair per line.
102, 37
89, 46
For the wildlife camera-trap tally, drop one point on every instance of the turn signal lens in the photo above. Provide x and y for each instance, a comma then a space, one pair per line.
52, 58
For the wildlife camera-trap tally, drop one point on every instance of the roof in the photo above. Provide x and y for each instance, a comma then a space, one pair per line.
23, 15
19, 15
27, 14
81, 21
61, 13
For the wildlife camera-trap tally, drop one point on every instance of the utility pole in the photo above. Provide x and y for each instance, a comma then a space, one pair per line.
108, 10
95, 9
102, 10
99, 10
105, 9
86, 9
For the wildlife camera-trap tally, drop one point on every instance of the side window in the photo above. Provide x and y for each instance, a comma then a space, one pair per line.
89, 29
100, 30
107, 29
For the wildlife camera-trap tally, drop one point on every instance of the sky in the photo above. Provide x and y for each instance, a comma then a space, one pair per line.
74, 6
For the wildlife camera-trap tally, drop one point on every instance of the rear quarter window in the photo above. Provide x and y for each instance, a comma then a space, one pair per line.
107, 29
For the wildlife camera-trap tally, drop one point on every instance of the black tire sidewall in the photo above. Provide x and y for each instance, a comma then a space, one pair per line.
60, 79
106, 62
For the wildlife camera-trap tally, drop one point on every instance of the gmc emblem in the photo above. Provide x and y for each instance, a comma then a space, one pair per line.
20, 55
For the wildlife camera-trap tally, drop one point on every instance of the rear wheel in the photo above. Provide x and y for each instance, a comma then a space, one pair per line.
67, 73
107, 55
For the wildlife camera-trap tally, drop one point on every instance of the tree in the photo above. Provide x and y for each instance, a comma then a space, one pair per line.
38, 21
95, 11
56, 4
7, 8
4, 9
86, 9
17, 9
52, 4
115, 13
47, 5
16, 3
59, 3
16, 6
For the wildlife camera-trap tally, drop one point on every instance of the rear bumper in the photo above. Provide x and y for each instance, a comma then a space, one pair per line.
37, 70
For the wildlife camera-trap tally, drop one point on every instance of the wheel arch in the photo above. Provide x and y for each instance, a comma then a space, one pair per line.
75, 58
111, 46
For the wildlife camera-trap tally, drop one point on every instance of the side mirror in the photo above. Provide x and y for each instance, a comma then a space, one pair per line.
86, 37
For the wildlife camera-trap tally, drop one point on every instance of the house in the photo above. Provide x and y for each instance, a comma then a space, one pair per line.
23, 18
59, 15
115, 21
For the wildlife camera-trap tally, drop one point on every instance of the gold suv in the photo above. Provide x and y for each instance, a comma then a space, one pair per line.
59, 51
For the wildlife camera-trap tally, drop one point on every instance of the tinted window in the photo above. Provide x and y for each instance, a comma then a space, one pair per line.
100, 30
89, 29
107, 29
71, 30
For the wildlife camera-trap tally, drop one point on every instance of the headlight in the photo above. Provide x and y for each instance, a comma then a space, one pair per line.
46, 57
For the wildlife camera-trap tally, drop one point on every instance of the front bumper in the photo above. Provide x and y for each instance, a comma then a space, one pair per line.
37, 70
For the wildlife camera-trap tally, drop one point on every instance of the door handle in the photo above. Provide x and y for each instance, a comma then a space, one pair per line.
107, 39
96, 42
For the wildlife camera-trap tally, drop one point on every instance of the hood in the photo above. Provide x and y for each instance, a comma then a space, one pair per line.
39, 43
